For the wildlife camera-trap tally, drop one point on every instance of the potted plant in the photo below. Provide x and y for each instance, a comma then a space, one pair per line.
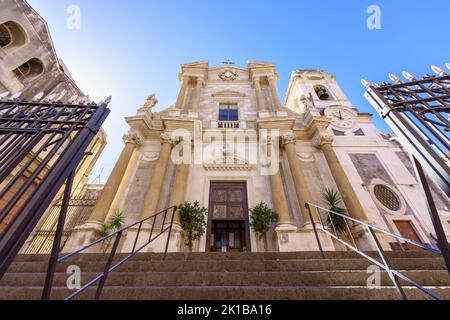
334, 221
192, 219
261, 219
114, 224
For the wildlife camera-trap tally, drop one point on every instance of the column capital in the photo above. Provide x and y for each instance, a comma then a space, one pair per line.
288, 138
134, 138
322, 138
271, 77
169, 139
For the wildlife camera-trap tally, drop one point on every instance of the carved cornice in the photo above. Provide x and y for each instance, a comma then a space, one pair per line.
228, 163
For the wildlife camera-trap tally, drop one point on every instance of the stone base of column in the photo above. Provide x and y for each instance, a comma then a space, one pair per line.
82, 236
300, 240
157, 245
362, 237
282, 114
264, 114
174, 113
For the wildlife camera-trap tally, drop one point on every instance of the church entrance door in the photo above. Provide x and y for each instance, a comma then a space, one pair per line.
228, 220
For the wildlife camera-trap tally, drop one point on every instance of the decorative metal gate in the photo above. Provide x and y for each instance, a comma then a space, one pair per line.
418, 112
41, 145
78, 212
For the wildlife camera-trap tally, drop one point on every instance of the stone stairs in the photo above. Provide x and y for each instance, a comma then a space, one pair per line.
231, 276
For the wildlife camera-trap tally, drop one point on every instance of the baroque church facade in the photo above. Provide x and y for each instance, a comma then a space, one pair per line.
230, 143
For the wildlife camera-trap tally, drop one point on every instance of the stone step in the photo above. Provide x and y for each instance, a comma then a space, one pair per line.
227, 293
291, 265
233, 256
242, 279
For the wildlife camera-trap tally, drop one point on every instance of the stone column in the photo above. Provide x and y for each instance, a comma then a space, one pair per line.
348, 194
180, 101
178, 193
274, 90
259, 97
298, 175
154, 190
279, 195
198, 95
279, 199
103, 205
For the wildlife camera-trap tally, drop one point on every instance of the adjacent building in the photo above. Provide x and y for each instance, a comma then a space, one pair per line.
29, 68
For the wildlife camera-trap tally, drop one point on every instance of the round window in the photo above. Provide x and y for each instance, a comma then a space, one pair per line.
387, 197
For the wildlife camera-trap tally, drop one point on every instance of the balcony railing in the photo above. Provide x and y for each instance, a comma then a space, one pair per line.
228, 125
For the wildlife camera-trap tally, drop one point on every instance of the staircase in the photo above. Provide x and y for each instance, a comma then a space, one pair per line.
231, 276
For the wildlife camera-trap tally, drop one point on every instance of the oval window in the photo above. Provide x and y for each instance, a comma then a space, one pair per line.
387, 197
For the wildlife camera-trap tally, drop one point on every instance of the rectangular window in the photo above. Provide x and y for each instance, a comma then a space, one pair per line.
228, 112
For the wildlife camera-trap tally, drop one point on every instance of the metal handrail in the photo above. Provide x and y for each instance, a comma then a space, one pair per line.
385, 264
109, 267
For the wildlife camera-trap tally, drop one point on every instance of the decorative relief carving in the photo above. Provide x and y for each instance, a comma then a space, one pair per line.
228, 75
220, 212
236, 212
150, 156
235, 196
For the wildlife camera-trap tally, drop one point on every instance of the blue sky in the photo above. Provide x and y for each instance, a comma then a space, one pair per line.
131, 48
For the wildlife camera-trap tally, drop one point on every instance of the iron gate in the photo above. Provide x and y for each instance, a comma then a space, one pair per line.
418, 112
78, 212
41, 145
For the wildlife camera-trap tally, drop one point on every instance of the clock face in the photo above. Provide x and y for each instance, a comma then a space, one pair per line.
341, 118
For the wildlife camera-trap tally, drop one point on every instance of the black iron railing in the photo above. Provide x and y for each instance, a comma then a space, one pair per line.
167, 226
330, 229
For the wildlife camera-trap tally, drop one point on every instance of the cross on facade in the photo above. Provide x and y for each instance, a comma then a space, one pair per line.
228, 62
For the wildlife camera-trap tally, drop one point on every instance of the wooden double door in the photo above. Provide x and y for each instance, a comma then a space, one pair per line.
228, 219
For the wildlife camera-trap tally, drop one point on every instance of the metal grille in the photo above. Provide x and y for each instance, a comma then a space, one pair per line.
387, 197
419, 111
78, 212
5, 37
41, 145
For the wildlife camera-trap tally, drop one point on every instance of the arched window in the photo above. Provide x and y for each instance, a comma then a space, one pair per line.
322, 92
11, 34
387, 197
29, 70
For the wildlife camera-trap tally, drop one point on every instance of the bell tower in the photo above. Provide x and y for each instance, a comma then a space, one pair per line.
314, 89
